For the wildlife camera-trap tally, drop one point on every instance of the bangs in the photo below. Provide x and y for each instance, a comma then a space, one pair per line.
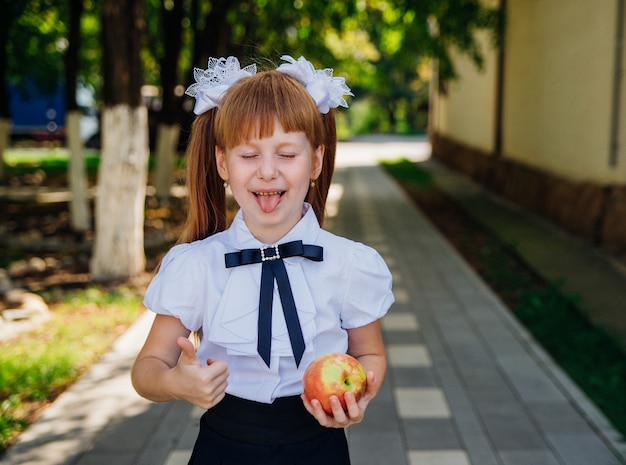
253, 105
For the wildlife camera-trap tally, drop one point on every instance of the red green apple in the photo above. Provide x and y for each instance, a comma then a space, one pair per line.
334, 374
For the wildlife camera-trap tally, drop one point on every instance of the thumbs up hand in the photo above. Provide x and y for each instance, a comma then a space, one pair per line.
203, 386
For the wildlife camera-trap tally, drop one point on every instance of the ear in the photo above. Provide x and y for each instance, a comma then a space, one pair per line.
220, 162
318, 160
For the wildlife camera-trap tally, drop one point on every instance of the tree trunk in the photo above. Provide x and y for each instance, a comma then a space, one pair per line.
118, 251
5, 128
77, 174
169, 116
167, 140
10, 13
119, 248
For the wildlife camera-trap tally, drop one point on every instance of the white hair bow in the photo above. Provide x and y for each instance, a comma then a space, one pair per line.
327, 91
211, 83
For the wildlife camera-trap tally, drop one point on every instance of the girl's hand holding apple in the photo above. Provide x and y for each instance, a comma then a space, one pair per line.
340, 418
337, 390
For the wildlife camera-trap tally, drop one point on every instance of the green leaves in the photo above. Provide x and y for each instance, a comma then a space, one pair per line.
382, 47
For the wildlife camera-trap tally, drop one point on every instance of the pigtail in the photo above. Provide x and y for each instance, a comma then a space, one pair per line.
207, 198
318, 194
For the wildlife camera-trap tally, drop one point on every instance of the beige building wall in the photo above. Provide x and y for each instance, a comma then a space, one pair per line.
558, 91
466, 112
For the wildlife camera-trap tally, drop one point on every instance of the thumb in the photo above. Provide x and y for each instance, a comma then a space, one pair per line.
188, 357
370, 388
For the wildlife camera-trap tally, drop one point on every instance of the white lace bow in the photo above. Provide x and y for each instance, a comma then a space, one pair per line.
327, 91
211, 83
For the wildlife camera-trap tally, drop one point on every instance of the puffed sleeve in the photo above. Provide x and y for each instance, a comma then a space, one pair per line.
176, 289
368, 294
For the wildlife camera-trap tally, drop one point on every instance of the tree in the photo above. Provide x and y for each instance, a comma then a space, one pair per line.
77, 176
385, 47
11, 11
172, 14
118, 248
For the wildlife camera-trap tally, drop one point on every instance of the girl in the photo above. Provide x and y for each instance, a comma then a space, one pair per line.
271, 138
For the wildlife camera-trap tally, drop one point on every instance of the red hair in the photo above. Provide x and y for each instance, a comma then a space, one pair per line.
250, 108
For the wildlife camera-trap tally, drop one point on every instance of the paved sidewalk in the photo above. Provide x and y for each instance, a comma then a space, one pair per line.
466, 384
584, 272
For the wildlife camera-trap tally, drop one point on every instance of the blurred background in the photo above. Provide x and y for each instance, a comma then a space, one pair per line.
525, 97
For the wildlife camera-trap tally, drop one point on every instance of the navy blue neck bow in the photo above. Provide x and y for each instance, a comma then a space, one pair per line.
272, 269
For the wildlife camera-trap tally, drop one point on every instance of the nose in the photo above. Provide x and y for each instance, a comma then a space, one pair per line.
268, 167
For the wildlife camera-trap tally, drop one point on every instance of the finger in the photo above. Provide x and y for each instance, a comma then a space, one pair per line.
218, 367
213, 362
218, 393
219, 378
314, 407
188, 356
339, 414
352, 407
370, 387
307, 404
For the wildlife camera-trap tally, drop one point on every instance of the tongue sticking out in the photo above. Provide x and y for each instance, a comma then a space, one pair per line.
268, 202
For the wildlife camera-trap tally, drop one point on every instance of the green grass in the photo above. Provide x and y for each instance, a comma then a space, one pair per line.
410, 176
592, 358
39, 365
52, 161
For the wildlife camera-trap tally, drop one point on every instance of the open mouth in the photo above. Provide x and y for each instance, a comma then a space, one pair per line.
267, 194
268, 200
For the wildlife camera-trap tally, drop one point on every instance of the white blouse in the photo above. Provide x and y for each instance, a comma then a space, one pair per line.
350, 288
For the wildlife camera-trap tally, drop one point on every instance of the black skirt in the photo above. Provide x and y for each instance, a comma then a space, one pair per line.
243, 432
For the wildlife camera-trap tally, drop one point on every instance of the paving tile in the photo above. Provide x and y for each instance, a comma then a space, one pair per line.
466, 418
558, 417
422, 377
421, 403
529, 457
189, 434
582, 449
512, 432
378, 438
430, 433
483, 378
507, 421
167, 432
399, 321
408, 355
178, 457
529, 379
400, 294
126, 433
380, 417
377, 448
438, 457
114, 456
402, 337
